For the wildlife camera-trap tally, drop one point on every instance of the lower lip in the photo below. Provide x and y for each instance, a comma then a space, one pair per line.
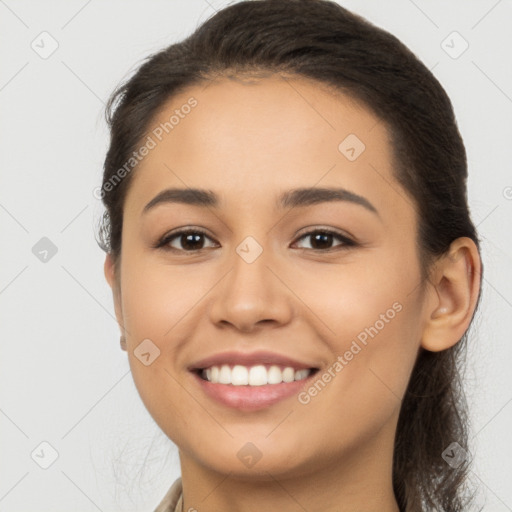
251, 398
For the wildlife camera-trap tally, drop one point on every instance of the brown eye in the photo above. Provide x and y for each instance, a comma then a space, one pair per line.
322, 240
190, 240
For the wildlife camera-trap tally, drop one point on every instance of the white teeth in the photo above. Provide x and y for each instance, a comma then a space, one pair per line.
257, 375
301, 374
225, 374
275, 375
239, 376
288, 374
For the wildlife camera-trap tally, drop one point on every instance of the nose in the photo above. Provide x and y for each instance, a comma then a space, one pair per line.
252, 294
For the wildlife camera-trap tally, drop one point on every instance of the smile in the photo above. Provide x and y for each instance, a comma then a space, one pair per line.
259, 375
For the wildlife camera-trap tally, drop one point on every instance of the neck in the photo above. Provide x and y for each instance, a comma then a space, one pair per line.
360, 480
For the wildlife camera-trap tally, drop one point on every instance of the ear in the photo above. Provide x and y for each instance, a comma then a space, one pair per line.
112, 277
456, 282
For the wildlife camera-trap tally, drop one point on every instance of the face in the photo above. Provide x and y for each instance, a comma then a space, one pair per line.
324, 282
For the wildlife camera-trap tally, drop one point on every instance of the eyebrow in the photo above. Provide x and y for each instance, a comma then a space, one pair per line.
294, 198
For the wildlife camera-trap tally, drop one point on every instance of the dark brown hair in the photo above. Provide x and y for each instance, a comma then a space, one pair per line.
320, 40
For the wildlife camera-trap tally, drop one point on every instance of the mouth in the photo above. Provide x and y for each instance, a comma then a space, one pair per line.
252, 387
256, 375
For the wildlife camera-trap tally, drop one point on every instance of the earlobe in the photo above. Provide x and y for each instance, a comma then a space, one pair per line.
456, 282
108, 269
110, 275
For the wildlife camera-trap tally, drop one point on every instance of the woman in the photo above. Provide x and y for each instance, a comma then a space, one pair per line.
293, 264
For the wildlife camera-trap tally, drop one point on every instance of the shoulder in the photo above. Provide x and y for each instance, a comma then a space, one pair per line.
172, 499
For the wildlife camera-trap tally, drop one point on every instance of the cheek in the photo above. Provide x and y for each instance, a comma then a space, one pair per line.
157, 297
370, 318
361, 390
157, 305
345, 299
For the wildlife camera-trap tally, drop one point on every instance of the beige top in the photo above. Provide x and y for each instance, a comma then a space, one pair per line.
173, 500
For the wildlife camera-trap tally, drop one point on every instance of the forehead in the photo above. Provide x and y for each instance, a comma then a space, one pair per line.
265, 135
283, 112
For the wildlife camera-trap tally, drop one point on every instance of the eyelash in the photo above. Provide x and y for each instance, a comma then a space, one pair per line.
166, 239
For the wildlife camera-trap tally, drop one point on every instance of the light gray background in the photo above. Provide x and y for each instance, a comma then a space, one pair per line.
64, 379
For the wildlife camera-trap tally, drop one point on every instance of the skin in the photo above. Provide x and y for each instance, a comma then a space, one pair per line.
248, 142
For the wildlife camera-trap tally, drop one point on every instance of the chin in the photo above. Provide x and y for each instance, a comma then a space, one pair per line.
256, 461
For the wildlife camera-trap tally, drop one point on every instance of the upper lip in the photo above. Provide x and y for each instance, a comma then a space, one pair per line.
249, 359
